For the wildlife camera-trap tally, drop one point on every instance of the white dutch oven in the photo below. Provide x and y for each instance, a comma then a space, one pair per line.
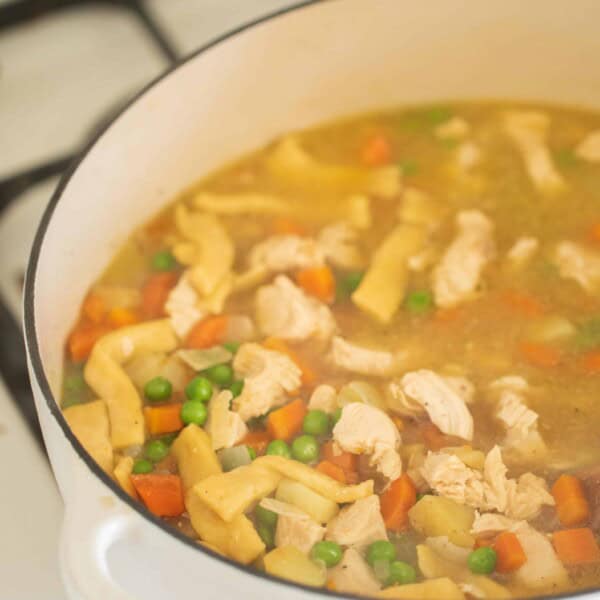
292, 70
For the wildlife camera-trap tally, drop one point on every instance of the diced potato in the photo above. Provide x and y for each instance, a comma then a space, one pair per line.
289, 563
435, 515
433, 589
472, 458
196, 460
122, 474
319, 508
89, 424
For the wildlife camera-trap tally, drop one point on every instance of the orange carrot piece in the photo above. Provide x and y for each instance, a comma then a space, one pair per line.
318, 282
346, 460
82, 340
155, 292
163, 419
285, 226
94, 308
396, 501
540, 355
334, 471
434, 439
285, 422
208, 332
509, 552
590, 362
594, 233
309, 377
122, 317
523, 304
258, 440
376, 151
572, 506
161, 494
576, 546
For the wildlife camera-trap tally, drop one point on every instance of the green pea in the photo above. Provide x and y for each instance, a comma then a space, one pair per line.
251, 452
305, 448
419, 302
142, 466
74, 383
409, 167
265, 516
565, 158
220, 374
328, 553
267, 535
158, 389
237, 387
156, 450
199, 389
233, 347
279, 448
482, 561
316, 422
381, 550
336, 416
194, 412
401, 573
163, 261
348, 284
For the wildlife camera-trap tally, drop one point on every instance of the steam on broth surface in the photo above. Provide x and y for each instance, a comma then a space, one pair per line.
366, 357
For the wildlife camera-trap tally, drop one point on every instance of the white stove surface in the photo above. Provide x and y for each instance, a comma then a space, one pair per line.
61, 75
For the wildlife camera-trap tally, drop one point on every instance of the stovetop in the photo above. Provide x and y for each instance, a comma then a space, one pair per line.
66, 66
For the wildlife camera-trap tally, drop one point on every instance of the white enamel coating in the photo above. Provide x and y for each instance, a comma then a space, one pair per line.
316, 63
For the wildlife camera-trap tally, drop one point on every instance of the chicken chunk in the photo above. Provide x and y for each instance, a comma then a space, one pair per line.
364, 429
457, 276
225, 427
358, 524
182, 307
426, 391
589, 148
489, 524
354, 576
269, 377
528, 130
283, 310
324, 397
286, 252
365, 361
339, 244
522, 251
575, 261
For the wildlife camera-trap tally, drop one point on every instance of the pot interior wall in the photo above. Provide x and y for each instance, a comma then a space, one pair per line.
317, 63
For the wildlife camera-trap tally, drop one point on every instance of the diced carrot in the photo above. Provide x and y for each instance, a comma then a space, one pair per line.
163, 419
594, 233
285, 422
396, 501
309, 377
82, 339
523, 304
509, 552
331, 585
540, 355
155, 292
334, 471
208, 332
161, 494
285, 226
434, 439
590, 362
576, 546
346, 460
572, 506
94, 308
376, 151
258, 440
122, 317
318, 282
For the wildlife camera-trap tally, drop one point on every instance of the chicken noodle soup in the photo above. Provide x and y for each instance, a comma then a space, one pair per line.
367, 357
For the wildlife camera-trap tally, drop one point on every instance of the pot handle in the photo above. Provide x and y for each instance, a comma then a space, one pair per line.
86, 538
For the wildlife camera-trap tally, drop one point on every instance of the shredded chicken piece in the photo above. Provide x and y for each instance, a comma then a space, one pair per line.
454, 128
339, 244
283, 310
324, 397
468, 155
358, 524
492, 490
575, 261
281, 253
364, 429
489, 524
426, 391
268, 377
457, 276
225, 427
589, 148
528, 130
182, 307
354, 576
365, 361
522, 251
